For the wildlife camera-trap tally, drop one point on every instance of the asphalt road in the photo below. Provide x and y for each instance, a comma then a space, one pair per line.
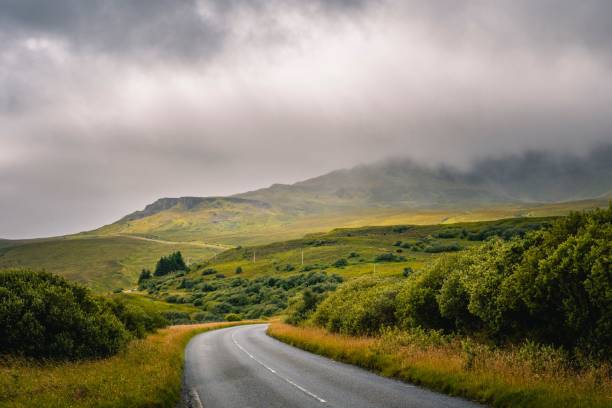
243, 367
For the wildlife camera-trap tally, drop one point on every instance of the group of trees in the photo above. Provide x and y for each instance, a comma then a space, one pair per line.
171, 263
552, 286
43, 315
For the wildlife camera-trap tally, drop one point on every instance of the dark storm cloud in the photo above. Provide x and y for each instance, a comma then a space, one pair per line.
157, 27
183, 29
107, 105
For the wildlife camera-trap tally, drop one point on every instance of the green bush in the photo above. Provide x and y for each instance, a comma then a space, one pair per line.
361, 306
340, 263
43, 315
551, 287
389, 257
233, 317
302, 305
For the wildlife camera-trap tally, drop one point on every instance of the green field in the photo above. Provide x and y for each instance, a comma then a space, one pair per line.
101, 263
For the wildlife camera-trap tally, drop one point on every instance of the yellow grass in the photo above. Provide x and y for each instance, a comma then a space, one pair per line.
147, 374
498, 378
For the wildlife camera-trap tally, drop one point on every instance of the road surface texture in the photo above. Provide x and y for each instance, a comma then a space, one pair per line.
242, 367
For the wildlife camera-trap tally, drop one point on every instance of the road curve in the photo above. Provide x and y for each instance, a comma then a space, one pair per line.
243, 367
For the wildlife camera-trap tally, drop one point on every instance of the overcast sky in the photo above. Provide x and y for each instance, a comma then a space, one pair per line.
107, 105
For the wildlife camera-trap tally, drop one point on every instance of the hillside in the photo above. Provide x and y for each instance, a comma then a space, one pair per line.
259, 280
102, 263
385, 193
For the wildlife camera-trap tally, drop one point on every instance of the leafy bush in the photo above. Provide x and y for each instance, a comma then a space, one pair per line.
437, 248
340, 263
135, 319
233, 317
43, 315
209, 271
302, 305
362, 306
551, 287
238, 270
389, 257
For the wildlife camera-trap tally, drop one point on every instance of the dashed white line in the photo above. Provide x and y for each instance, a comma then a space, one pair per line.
195, 399
299, 387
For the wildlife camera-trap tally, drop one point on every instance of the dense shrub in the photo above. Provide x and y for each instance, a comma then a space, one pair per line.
552, 286
209, 271
136, 320
43, 315
389, 257
340, 263
437, 248
362, 306
302, 305
233, 317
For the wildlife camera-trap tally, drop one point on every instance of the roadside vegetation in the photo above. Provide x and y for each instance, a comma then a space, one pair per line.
44, 316
524, 321
529, 375
147, 373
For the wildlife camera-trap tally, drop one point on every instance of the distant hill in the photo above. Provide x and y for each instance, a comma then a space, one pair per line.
533, 177
392, 191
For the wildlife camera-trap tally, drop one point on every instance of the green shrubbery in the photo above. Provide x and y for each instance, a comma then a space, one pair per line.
552, 286
362, 306
43, 315
250, 298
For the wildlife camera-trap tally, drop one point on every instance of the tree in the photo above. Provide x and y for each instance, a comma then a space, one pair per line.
239, 270
171, 263
144, 275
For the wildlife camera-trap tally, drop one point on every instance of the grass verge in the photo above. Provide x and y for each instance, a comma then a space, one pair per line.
497, 378
147, 374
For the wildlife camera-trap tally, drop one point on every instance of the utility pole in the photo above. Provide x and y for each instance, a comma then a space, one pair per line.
302, 256
374, 267
253, 256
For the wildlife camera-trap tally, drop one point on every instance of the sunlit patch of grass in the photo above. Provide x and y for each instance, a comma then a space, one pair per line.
101, 263
147, 374
501, 378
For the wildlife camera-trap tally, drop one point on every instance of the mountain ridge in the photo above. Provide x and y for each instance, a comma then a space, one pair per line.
375, 193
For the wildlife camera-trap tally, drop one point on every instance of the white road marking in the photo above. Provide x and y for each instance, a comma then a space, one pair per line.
195, 398
299, 387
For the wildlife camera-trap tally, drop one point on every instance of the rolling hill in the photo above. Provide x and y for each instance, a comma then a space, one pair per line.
384, 193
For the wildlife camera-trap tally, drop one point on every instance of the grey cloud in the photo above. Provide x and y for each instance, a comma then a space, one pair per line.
133, 100
184, 29
140, 27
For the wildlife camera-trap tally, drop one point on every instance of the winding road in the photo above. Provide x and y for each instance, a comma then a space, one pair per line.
243, 367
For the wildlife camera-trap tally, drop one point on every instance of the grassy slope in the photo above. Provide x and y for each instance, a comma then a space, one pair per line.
102, 263
322, 250
109, 261
499, 379
147, 374
249, 225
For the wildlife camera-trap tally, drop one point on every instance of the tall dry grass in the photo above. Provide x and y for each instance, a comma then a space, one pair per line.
518, 377
147, 374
